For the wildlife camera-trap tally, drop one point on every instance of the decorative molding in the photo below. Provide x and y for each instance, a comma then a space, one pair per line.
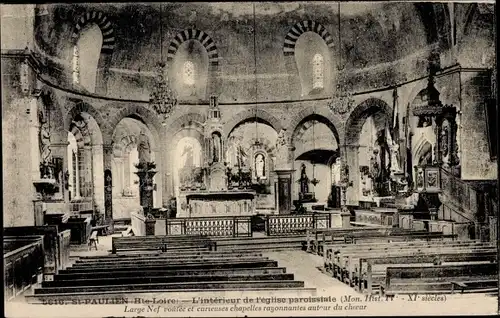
108, 33
305, 26
193, 34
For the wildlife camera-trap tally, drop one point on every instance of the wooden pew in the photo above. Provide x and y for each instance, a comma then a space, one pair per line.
336, 255
163, 279
392, 237
204, 265
56, 244
476, 286
186, 260
145, 272
317, 237
168, 255
23, 263
345, 260
164, 243
350, 271
374, 273
435, 279
180, 286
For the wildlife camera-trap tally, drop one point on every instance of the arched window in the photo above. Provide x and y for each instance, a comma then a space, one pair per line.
189, 73
86, 54
318, 71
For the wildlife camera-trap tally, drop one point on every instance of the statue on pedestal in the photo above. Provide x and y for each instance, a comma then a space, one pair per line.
143, 148
304, 180
216, 147
260, 168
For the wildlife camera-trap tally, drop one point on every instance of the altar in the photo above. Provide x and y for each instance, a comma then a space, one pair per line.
216, 203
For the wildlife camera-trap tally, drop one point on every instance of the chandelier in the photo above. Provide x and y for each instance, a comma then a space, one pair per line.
162, 99
341, 102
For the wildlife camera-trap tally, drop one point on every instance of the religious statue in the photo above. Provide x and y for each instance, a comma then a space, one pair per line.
45, 143
260, 166
143, 148
241, 156
444, 140
304, 180
395, 157
216, 147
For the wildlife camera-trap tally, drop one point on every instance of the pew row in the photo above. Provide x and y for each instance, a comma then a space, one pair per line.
163, 243
438, 279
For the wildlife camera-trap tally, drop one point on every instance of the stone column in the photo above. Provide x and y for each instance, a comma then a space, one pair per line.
98, 177
158, 179
351, 157
108, 185
126, 171
34, 127
119, 175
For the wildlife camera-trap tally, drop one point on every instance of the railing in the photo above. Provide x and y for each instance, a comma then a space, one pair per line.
289, 224
223, 226
64, 241
138, 223
22, 267
464, 195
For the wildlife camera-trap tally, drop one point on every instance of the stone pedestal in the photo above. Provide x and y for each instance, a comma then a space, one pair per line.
284, 190
146, 173
150, 226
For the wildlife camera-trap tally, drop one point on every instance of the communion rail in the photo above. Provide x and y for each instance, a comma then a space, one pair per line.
297, 224
219, 226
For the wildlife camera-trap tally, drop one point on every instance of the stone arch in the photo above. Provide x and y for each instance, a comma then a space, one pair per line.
102, 21
123, 145
82, 107
189, 120
250, 114
358, 116
145, 115
323, 115
305, 26
193, 34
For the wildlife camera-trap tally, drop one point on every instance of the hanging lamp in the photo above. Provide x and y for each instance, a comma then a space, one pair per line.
257, 143
341, 102
314, 181
163, 99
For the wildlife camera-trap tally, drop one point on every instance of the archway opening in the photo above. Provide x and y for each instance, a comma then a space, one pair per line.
316, 149
132, 141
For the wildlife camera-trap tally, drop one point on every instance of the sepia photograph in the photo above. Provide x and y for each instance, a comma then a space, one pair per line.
248, 159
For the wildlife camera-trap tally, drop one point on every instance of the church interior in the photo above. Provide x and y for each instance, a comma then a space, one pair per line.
220, 139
